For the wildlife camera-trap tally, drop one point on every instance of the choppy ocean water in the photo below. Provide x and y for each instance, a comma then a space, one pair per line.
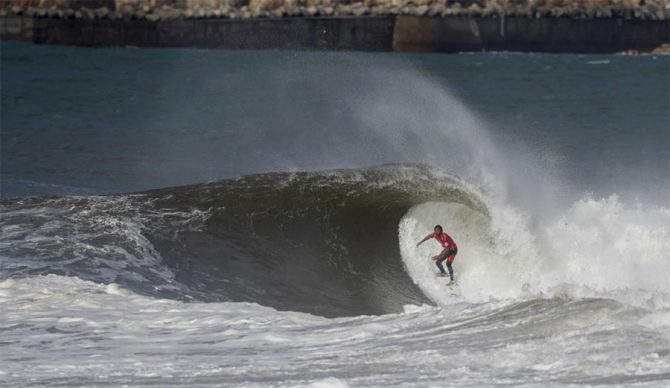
250, 218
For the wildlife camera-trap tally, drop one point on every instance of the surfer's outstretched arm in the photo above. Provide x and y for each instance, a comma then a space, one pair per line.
425, 239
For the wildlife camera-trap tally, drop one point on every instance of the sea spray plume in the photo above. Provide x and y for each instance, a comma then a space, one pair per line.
421, 121
406, 115
310, 115
368, 115
372, 115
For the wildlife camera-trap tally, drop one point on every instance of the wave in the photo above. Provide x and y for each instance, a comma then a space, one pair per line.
319, 242
339, 243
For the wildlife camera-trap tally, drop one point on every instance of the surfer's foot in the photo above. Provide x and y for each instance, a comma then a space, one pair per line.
450, 284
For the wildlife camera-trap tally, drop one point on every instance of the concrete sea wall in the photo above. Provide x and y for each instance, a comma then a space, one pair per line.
361, 34
529, 35
371, 25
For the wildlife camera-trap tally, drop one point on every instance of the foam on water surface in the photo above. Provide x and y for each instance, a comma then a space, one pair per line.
56, 326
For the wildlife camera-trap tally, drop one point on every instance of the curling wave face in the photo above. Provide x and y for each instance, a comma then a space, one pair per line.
319, 242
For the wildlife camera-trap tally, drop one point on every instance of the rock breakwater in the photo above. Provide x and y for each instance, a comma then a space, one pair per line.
157, 10
585, 26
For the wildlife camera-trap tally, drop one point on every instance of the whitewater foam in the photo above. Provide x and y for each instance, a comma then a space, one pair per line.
57, 328
609, 245
598, 248
103, 237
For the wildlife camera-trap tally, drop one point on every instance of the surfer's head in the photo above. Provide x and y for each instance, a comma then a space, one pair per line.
438, 229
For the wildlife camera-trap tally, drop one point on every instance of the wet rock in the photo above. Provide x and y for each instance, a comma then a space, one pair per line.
420, 10
176, 14
102, 13
173, 9
663, 49
359, 10
153, 17
543, 11
590, 10
435, 9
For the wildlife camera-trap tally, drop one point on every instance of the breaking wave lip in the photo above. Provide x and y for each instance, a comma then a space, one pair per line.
319, 242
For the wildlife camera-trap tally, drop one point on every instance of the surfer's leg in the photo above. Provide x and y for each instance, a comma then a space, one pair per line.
450, 260
451, 271
439, 261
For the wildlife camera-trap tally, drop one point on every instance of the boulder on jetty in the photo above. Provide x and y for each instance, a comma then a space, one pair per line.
663, 49
155, 10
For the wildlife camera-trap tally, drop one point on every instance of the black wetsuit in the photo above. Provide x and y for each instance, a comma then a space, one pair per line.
444, 257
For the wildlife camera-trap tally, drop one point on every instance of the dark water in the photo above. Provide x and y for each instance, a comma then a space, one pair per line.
94, 121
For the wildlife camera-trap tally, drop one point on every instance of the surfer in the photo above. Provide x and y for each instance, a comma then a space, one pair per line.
449, 251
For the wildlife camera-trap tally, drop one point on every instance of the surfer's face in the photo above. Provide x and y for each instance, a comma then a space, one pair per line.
438, 230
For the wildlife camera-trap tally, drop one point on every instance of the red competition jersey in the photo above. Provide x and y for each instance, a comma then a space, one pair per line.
445, 240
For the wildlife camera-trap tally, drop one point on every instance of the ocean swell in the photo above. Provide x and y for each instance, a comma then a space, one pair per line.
319, 242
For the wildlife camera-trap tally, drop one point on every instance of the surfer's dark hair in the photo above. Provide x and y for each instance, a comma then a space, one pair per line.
438, 226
